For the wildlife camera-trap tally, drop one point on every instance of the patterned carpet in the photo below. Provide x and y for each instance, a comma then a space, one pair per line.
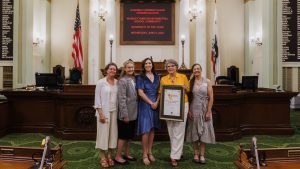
82, 154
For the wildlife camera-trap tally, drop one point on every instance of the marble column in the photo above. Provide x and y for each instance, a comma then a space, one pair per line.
249, 32
201, 36
93, 58
45, 34
184, 29
23, 44
110, 20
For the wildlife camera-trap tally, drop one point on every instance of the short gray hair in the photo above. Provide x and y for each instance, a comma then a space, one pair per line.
172, 61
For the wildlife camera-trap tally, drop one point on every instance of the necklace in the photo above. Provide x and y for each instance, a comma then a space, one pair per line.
173, 79
199, 84
151, 77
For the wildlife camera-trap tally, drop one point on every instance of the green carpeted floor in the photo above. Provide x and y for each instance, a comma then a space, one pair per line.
83, 155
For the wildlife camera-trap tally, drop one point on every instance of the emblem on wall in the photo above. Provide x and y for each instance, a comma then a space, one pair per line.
85, 118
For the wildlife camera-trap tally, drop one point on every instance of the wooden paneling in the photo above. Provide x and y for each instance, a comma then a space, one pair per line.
71, 115
157, 65
5, 119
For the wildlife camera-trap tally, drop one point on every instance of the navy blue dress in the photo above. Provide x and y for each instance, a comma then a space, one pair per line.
147, 117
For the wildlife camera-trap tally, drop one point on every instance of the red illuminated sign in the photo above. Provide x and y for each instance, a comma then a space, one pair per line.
147, 23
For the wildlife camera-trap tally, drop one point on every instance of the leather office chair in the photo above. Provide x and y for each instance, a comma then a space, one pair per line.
75, 76
219, 79
224, 80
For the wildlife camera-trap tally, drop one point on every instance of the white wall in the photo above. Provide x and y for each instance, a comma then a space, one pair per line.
231, 32
63, 15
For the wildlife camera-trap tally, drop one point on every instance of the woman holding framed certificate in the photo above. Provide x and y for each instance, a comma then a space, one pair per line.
148, 116
128, 108
174, 107
200, 124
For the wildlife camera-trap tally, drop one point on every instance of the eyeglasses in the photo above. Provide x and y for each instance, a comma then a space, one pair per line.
171, 66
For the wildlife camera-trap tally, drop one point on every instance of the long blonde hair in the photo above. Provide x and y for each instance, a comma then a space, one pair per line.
123, 73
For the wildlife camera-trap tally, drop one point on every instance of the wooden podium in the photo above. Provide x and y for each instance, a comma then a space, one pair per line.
21, 157
279, 158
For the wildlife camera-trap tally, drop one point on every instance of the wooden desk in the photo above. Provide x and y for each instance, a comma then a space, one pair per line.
278, 158
22, 157
70, 115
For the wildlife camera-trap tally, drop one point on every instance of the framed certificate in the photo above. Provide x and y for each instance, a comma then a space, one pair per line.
172, 102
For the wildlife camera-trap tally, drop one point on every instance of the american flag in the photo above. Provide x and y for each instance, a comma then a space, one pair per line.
77, 48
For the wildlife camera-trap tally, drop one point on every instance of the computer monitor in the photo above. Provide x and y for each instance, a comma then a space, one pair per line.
249, 82
46, 80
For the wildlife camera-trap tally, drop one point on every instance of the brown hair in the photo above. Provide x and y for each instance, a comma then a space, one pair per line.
192, 83
143, 73
110, 64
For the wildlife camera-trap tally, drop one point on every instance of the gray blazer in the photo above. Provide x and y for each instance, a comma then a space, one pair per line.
127, 98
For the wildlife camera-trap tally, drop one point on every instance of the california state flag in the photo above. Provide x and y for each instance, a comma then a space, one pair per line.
215, 52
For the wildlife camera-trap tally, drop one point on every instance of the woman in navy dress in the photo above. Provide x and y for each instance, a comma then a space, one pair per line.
148, 116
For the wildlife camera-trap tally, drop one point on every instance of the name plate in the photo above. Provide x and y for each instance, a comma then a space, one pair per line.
5, 151
293, 153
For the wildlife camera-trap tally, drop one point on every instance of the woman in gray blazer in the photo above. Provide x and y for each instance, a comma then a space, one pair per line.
128, 108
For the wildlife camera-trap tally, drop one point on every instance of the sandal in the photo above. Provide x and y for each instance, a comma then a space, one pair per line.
104, 164
151, 157
146, 163
111, 162
174, 162
202, 161
196, 160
